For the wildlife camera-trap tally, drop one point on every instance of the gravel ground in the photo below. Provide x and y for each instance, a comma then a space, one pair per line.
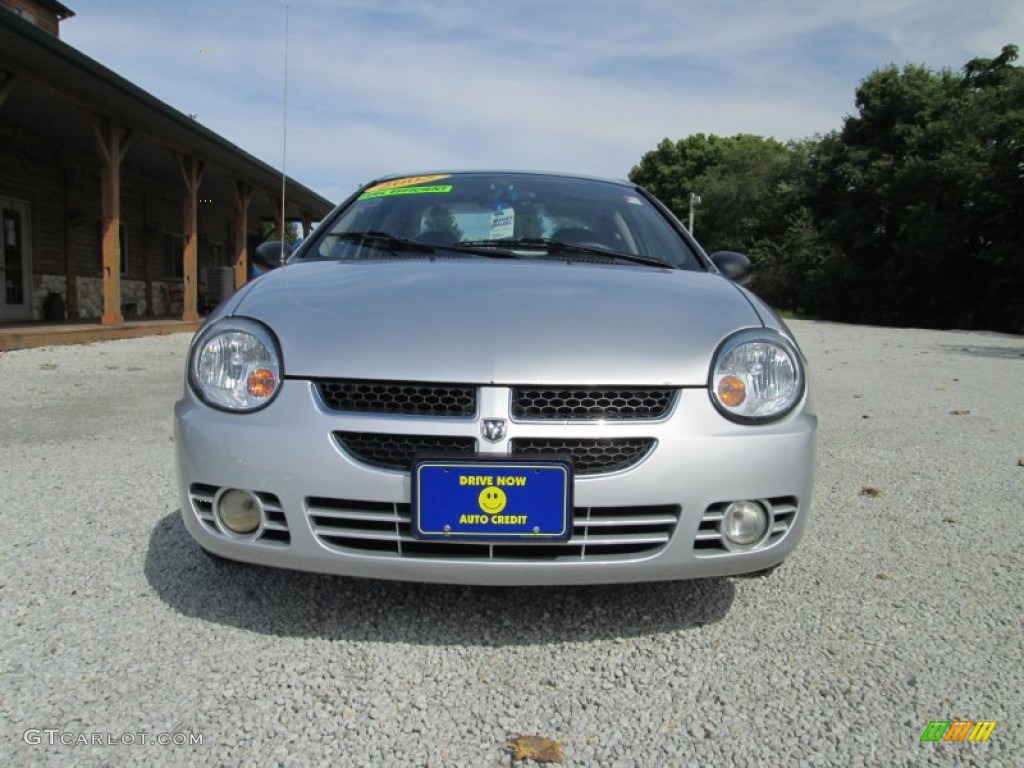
902, 606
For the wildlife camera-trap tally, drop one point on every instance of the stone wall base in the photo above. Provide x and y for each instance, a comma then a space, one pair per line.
90, 297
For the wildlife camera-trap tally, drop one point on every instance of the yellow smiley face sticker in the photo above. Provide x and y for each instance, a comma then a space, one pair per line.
492, 500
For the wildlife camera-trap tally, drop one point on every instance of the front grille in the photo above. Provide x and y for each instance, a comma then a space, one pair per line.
275, 525
397, 398
397, 451
589, 456
386, 530
782, 512
591, 404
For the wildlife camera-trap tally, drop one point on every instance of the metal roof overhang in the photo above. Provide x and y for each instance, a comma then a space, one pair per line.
45, 61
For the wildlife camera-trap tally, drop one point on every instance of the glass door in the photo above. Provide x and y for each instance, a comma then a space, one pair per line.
15, 260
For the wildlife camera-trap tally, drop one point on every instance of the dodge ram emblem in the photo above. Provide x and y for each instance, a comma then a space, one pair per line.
493, 430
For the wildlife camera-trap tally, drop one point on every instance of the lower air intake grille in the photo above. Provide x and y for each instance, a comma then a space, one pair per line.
386, 530
589, 456
397, 451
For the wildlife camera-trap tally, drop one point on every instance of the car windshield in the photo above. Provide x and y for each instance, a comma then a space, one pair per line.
493, 215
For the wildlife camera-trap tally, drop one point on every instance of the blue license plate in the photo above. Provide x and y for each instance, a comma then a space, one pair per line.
492, 500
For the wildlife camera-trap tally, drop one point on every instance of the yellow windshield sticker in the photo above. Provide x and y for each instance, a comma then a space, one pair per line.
409, 181
438, 189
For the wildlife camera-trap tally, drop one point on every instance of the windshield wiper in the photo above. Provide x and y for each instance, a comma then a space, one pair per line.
554, 246
383, 240
504, 247
597, 251
508, 242
392, 243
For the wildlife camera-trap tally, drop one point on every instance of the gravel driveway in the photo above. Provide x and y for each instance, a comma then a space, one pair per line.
902, 606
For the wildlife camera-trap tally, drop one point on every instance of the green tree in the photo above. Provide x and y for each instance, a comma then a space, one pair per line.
920, 189
748, 186
753, 192
671, 170
291, 231
910, 214
994, 121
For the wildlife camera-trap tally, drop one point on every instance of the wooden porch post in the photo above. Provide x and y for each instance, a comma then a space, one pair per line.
192, 174
243, 194
112, 144
307, 224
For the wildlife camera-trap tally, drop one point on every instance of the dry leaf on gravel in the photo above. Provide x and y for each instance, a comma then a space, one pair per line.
950, 519
538, 748
1020, 461
960, 412
870, 490
885, 576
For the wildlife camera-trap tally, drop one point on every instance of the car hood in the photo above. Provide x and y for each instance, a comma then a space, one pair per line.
498, 322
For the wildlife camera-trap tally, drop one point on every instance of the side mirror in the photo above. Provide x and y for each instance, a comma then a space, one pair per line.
735, 266
268, 254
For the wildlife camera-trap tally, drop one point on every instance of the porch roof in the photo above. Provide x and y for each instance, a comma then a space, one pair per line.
59, 10
41, 60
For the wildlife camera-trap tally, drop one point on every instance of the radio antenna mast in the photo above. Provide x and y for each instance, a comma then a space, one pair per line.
284, 137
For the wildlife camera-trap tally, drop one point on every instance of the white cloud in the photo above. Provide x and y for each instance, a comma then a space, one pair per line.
587, 86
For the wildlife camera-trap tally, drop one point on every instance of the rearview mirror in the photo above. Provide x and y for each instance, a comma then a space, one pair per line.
733, 265
268, 254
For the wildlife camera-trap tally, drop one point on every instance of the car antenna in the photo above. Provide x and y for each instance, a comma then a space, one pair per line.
284, 135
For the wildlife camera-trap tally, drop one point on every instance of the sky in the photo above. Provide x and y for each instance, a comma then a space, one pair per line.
585, 86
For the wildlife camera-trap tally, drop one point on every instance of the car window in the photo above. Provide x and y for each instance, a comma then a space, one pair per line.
510, 210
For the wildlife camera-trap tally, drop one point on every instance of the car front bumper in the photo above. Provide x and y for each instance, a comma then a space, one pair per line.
331, 513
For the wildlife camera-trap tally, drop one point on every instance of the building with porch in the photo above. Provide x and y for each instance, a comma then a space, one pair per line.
113, 204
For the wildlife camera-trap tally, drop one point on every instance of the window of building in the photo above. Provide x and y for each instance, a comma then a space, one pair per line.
211, 254
174, 248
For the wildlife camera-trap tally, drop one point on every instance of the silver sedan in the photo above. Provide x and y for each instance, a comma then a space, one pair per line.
497, 378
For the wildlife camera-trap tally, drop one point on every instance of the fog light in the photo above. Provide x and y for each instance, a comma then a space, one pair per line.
239, 511
745, 522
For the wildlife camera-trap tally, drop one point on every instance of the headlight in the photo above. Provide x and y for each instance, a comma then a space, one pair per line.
235, 365
757, 376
